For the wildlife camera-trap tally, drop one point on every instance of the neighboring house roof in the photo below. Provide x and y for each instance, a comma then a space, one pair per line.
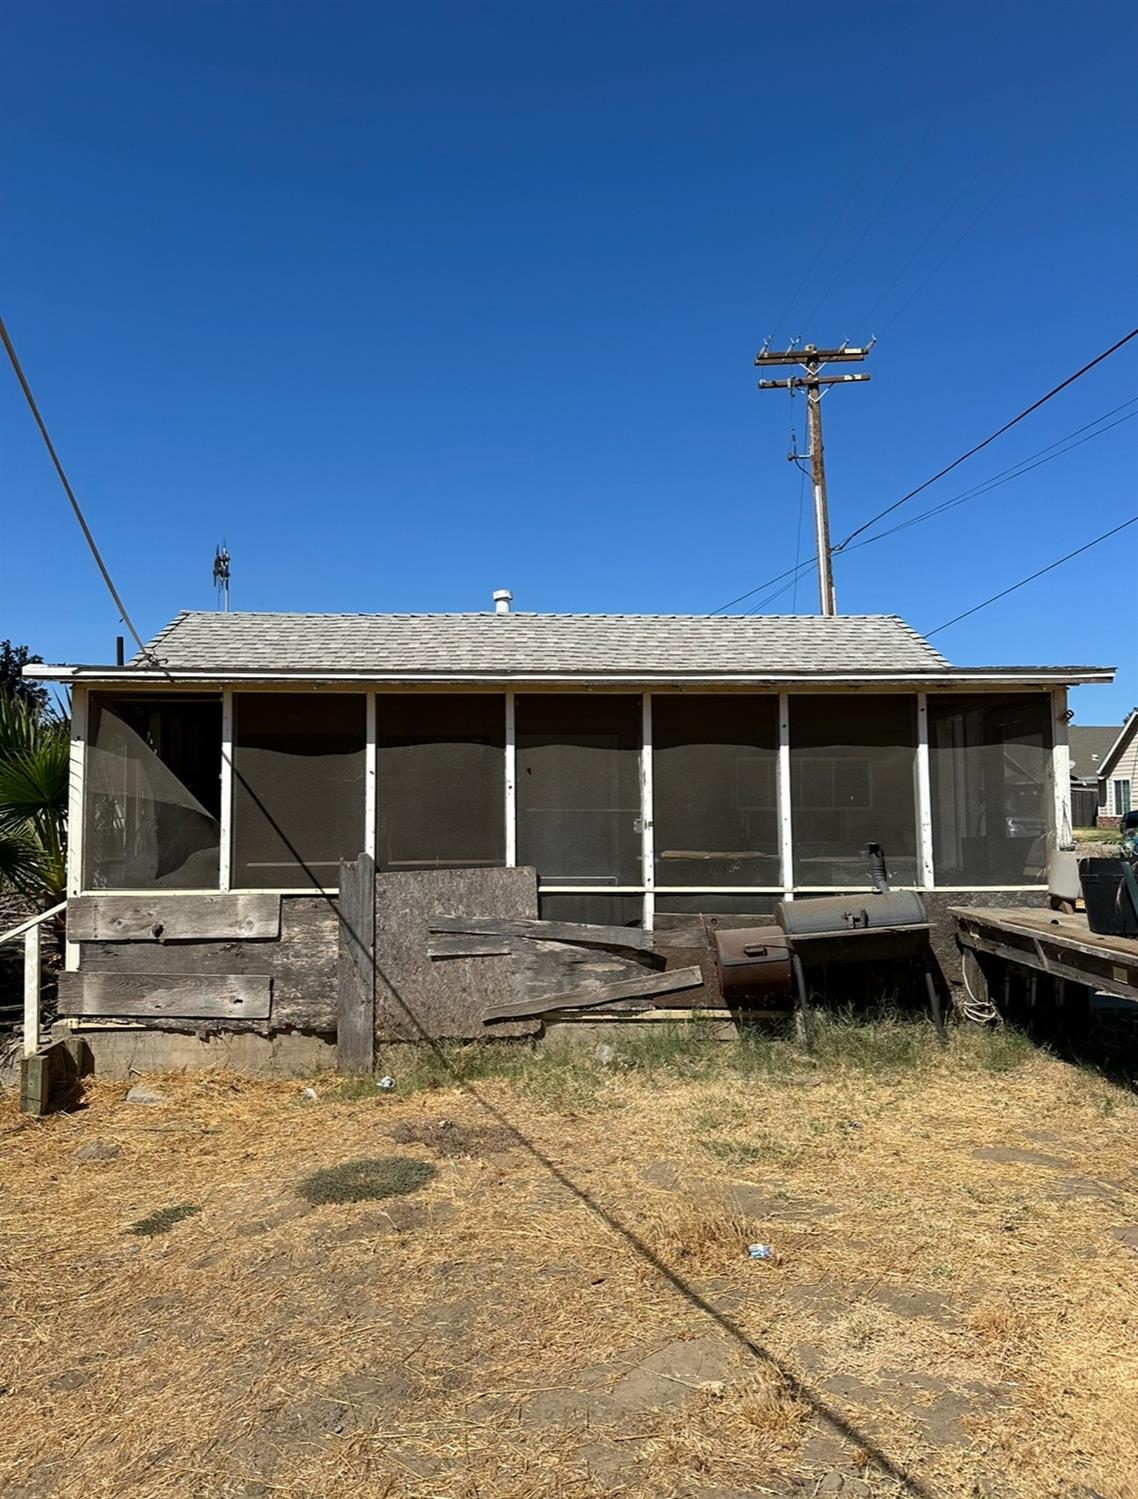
199, 646
1090, 744
1124, 736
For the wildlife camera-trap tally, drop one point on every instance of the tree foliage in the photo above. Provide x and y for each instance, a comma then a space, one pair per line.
34, 770
13, 659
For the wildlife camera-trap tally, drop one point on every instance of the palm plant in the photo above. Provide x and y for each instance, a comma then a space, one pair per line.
34, 761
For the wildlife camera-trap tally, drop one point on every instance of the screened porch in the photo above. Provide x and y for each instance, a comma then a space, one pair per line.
628, 804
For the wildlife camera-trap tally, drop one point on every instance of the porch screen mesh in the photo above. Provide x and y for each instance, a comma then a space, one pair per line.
440, 771
715, 778
593, 906
578, 777
988, 763
153, 793
298, 787
852, 782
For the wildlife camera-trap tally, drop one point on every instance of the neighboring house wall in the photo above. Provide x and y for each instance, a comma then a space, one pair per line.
1121, 781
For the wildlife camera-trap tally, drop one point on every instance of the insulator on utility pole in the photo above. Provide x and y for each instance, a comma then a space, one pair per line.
812, 361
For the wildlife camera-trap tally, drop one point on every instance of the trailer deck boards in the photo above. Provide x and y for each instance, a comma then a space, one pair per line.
1054, 943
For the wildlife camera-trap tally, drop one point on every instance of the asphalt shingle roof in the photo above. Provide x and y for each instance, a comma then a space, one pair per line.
1089, 746
516, 644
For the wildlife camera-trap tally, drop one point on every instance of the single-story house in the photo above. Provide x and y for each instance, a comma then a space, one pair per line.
1105, 760
648, 767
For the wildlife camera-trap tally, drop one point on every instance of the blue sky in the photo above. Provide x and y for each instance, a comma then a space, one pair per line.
409, 303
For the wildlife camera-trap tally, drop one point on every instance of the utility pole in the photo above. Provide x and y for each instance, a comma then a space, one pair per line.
813, 360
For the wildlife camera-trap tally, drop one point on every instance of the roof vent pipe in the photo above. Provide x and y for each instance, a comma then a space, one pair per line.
502, 600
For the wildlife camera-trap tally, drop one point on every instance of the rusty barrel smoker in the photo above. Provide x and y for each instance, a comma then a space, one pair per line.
881, 925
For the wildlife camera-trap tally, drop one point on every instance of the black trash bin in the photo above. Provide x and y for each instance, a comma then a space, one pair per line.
1109, 897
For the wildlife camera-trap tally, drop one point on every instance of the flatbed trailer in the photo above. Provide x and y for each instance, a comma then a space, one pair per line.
1051, 942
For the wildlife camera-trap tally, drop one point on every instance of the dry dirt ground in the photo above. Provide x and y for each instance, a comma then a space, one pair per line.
568, 1306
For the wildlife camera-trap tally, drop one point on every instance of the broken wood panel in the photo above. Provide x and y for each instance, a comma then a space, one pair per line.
418, 999
648, 985
582, 934
302, 964
188, 996
458, 945
541, 968
173, 918
355, 1007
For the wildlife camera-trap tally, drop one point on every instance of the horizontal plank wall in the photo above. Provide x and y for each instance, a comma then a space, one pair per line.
302, 963
166, 996
173, 918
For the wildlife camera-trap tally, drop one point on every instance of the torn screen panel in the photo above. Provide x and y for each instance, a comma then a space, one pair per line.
152, 793
298, 787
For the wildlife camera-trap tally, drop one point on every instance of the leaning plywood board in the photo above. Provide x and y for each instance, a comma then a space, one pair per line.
586, 997
302, 963
173, 918
417, 999
188, 996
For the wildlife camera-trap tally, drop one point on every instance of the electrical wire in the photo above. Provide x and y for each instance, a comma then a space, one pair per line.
821, 250
1005, 476
945, 216
999, 432
1051, 566
79, 516
1003, 187
1034, 460
889, 191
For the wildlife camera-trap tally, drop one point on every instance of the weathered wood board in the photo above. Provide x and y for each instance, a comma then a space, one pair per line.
580, 934
173, 918
188, 996
418, 999
355, 1027
302, 965
592, 996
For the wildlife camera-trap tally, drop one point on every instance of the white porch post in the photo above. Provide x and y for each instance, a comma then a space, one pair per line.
32, 990
785, 826
926, 871
647, 834
226, 831
1059, 809
76, 795
370, 759
511, 766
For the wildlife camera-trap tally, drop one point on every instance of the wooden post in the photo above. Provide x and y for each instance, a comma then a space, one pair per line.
76, 813
225, 855
511, 771
370, 760
785, 825
647, 836
926, 870
32, 990
355, 1011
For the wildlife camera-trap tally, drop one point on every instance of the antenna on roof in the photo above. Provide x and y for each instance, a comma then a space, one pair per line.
221, 576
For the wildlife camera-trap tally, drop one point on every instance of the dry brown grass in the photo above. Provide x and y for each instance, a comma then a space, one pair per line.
512, 1328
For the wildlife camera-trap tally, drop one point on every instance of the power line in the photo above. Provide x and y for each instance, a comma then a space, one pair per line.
863, 322
1051, 566
999, 432
79, 516
896, 183
1003, 187
995, 481
1006, 476
821, 250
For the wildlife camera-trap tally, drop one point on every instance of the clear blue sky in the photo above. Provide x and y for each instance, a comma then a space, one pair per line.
412, 302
